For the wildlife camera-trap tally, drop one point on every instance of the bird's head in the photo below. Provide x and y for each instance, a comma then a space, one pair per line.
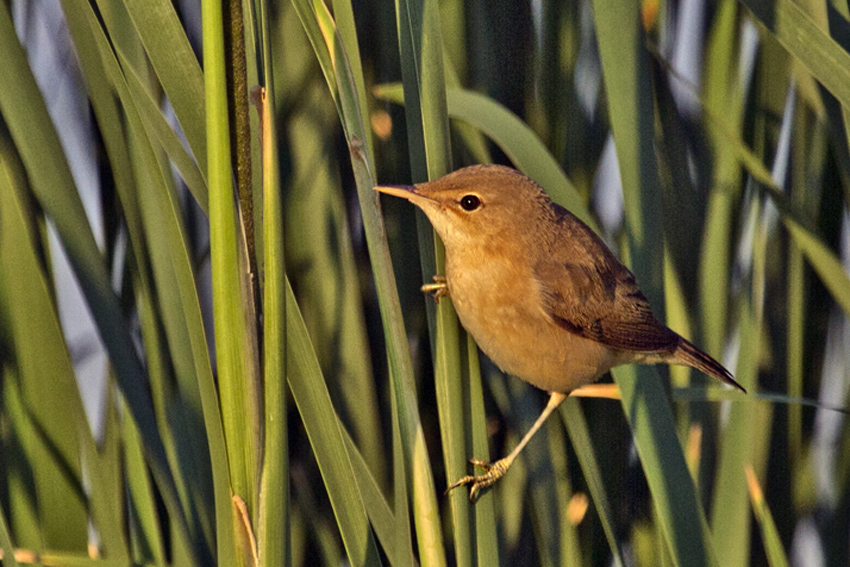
476, 204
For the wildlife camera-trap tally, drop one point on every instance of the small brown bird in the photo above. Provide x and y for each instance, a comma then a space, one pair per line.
539, 291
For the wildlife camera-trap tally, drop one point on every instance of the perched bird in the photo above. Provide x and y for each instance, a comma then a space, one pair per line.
539, 291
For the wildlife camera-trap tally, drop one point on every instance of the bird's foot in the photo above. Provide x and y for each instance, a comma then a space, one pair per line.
494, 471
438, 289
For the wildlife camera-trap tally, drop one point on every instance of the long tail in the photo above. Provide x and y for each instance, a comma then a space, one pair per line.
692, 356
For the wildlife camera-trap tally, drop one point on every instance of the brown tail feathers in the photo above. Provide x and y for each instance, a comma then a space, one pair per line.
692, 356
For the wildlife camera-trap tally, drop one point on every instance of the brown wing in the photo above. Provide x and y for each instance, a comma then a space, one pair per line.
588, 292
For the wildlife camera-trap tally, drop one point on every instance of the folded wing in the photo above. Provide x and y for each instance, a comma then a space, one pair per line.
591, 294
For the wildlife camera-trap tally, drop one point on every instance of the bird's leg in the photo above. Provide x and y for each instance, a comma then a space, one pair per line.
439, 288
495, 471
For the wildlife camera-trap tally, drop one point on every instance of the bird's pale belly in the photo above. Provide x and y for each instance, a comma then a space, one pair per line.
519, 338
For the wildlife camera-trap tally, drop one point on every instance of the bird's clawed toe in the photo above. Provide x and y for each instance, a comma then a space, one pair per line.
494, 471
438, 289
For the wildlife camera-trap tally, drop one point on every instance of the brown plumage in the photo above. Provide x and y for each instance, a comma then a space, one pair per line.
539, 291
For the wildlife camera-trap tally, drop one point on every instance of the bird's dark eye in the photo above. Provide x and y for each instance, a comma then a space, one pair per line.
470, 202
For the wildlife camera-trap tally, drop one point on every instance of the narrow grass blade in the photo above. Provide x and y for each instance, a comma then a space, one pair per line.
323, 52
235, 331
344, 16
731, 521
723, 97
576, 425
22, 510
421, 53
451, 400
486, 537
473, 139
158, 129
6, 546
141, 498
808, 160
801, 35
824, 261
273, 515
571, 507
401, 493
176, 66
67, 559
541, 490
380, 514
104, 471
678, 317
776, 556
317, 413
712, 394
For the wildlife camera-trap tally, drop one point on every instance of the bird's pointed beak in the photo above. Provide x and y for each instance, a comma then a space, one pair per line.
409, 192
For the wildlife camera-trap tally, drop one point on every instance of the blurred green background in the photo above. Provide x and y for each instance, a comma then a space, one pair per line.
213, 348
